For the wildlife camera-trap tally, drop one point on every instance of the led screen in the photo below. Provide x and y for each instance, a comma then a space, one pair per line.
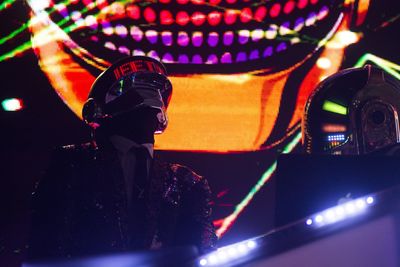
241, 73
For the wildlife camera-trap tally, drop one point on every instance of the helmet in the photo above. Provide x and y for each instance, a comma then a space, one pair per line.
354, 111
128, 84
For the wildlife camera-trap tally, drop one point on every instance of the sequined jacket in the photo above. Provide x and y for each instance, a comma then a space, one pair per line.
80, 207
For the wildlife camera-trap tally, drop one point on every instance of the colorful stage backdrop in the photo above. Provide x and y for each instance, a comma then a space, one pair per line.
241, 71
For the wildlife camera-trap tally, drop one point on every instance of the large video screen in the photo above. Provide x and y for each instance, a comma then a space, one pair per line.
241, 72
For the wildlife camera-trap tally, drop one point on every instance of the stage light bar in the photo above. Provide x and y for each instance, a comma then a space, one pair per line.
341, 212
12, 104
228, 253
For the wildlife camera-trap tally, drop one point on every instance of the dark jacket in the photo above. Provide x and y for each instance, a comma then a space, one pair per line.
80, 207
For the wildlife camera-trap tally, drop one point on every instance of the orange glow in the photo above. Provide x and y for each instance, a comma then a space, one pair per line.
63, 73
362, 9
334, 128
218, 115
207, 112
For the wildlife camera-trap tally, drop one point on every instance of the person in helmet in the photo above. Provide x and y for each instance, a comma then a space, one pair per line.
114, 194
354, 112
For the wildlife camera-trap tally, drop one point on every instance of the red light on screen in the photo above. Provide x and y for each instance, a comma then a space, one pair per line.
275, 10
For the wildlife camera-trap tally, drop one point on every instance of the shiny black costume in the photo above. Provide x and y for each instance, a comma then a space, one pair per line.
80, 207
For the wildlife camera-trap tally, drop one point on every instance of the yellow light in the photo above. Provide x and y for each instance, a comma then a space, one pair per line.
324, 63
343, 39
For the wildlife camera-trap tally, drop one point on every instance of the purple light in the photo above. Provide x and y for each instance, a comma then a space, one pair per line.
244, 36
197, 59
226, 58
268, 51
136, 33
299, 24
138, 52
241, 57
166, 38
183, 59
124, 50
212, 59
151, 36
284, 28
254, 55
183, 39
213, 39
281, 47
312, 17
110, 46
197, 39
323, 12
228, 38
121, 30
62, 9
167, 58
153, 54
107, 28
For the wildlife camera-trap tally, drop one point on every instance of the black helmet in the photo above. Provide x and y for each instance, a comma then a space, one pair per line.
128, 84
354, 111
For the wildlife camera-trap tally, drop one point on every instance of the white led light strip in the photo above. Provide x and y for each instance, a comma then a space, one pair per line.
227, 253
340, 212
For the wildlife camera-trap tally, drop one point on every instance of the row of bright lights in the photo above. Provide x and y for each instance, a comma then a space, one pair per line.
228, 253
340, 212
92, 22
226, 57
182, 17
329, 216
336, 137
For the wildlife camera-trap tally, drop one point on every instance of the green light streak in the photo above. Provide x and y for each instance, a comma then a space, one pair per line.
261, 182
28, 45
17, 51
388, 66
334, 107
14, 33
6, 4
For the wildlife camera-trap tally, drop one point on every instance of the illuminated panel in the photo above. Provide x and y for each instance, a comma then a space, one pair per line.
336, 137
219, 112
208, 48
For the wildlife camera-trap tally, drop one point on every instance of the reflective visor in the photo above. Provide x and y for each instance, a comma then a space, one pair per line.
135, 90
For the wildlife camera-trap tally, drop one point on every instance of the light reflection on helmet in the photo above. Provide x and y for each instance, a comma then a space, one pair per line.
130, 83
354, 111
